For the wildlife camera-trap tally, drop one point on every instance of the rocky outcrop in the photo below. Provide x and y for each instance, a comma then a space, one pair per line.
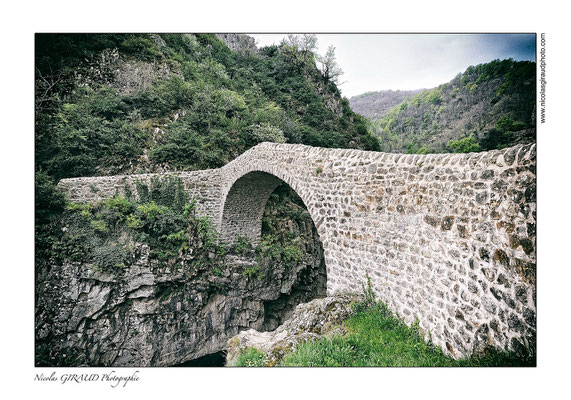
308, 322
125, 75
239, 42
149, 314
133, 76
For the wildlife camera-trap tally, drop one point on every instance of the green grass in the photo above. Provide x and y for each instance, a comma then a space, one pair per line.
375, 338
250, 357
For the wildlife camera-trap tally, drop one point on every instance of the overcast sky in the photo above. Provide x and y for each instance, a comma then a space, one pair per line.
373, 62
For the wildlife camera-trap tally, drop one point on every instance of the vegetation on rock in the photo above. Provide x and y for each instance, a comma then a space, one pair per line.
154, 229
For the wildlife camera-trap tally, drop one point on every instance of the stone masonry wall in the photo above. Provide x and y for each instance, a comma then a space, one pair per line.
201, 185
447, 239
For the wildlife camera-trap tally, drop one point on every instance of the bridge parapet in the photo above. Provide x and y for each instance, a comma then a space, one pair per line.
204, 186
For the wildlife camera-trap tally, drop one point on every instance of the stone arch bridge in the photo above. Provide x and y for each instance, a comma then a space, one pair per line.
446, 239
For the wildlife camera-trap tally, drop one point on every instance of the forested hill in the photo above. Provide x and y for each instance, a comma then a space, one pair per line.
489, 106
128, 103
374, 105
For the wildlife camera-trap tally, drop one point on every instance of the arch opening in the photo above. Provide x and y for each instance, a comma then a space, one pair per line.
244, 206
267, 211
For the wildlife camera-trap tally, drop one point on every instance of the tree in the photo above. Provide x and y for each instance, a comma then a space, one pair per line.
267, 133
465, 145
329, 67
300, 50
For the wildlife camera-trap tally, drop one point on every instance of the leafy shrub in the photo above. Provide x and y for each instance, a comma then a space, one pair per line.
121, 205
150, 211
164, 191
207, 233
109, 256
141, 45
267, 224
242, 245
494, 139
267, 133
134, 222
99, 226
182, 148
465, 145
49, 202
73, 247
164, 96
90, 130
252, 272
189, 208
507, 124
291, 255
269, 113
179, 239
287, 253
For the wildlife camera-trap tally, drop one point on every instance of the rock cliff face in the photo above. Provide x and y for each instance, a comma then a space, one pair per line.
149, 316
238, 42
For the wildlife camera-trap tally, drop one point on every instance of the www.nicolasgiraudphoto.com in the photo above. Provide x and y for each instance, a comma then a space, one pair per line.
542, 80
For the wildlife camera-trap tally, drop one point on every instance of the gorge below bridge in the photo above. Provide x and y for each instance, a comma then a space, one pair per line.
446, 239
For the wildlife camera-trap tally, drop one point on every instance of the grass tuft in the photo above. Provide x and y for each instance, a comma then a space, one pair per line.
250, 357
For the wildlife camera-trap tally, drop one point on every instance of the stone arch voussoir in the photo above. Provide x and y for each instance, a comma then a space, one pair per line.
245, 195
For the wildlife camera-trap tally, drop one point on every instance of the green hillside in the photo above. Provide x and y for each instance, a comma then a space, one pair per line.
374, 105
488, 106
124, 103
